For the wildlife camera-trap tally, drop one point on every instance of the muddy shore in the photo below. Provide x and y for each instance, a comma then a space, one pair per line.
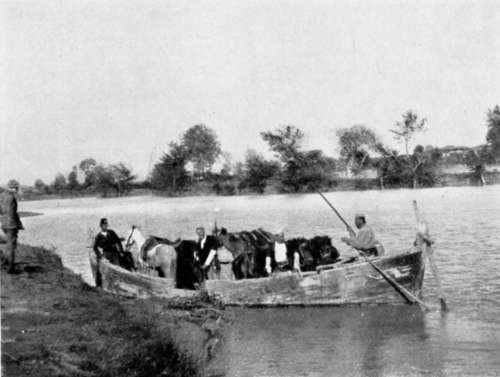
54, 324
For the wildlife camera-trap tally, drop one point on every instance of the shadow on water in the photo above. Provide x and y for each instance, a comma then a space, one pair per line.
356, 340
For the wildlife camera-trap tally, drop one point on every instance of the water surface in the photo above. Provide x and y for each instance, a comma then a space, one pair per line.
364, 341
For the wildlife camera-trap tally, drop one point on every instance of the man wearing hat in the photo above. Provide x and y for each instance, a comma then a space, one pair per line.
11, 223
365, 240
207, 254
107, 243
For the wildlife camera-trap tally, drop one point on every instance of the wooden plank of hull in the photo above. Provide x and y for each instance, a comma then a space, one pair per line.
346, 284
125, 283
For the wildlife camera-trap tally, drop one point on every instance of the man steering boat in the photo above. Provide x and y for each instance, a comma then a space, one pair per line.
365, 240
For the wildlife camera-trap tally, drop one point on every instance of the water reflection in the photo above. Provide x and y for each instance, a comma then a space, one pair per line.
373, 341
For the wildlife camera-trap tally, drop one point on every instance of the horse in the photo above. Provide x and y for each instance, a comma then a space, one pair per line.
243, 254
313, 252
327, 253
160, 256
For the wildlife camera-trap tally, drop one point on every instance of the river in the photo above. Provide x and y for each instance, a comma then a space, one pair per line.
350, 341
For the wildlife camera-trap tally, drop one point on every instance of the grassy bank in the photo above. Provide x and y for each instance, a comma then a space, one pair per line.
53, 324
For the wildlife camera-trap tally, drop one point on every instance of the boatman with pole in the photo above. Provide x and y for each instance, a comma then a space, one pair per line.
365, 240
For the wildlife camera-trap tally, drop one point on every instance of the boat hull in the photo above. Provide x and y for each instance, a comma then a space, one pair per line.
346, 284
117, 280
354, 283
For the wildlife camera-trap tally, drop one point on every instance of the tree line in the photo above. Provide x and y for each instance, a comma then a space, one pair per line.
113, 179
296, 170
188, 164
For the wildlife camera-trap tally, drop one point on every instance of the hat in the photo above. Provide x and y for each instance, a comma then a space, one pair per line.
103, 221
359, 215
13, 184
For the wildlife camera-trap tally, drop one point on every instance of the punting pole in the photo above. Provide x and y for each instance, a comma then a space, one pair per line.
425, 242
407, 295
336, 212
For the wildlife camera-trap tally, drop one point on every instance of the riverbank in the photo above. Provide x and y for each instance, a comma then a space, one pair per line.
54, 324
230, 187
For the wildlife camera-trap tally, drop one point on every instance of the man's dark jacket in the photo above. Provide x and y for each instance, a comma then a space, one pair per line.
203, 252
8, 208
109, 243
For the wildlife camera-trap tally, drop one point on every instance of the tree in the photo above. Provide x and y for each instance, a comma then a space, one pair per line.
122, 177
423, 166
493, 133
355, 143
406, 129
73, 183
419, 164
226, 164
41, 187
285, 142
104, 181
300, 170
391, 169
59, 183
258, 170
201, 147
170, 172
476, 161
411, 171
87, 167
309, 172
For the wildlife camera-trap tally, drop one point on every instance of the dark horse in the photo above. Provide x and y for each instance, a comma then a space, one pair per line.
312, 252
243, 252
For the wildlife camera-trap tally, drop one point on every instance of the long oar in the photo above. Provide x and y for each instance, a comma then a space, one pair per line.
425, 244
336, 212
406, 294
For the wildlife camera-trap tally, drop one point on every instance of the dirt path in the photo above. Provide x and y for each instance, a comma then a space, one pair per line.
53, 324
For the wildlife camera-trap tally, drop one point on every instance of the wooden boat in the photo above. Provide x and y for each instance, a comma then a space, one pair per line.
342, 283
117, 280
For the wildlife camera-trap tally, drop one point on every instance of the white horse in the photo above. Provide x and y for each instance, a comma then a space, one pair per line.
159, 256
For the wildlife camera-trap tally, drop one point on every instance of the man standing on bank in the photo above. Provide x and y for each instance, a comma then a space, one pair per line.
11, 223
107, 243
365, 240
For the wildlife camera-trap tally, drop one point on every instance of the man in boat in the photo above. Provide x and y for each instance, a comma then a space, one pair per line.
11, 223
206, 254
279, 260
365, 240
107, 243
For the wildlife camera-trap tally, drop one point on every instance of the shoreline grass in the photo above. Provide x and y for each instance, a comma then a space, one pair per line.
54, 324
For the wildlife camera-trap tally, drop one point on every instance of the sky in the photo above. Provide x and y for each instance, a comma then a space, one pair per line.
118, 81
